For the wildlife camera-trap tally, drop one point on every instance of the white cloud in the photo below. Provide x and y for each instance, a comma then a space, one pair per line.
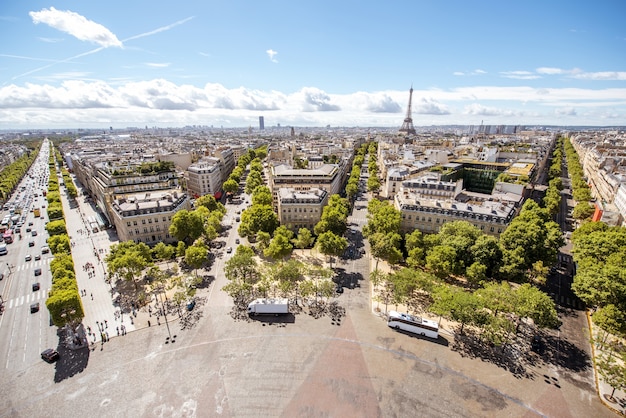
158, 64
77, 26
50, 40
602, 75
474, 72
159, 102
520, 75
272, 54
430, 107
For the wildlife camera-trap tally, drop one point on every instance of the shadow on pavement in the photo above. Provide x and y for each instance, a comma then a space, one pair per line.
70, 363
271, 319
441, 340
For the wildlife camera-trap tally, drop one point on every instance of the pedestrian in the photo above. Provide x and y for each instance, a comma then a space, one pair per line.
106, 324
149, 323
118, 331
158, 321
92, 296
88, 329
107, 335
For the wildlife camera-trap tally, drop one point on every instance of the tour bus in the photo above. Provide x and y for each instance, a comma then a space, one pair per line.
413, 324
7, 236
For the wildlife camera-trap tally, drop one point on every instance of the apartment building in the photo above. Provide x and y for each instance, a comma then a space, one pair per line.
327, 177
146, 217
427, 203
204, 177
301, 209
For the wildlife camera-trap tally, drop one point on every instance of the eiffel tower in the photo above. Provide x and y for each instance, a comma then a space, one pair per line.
407, 126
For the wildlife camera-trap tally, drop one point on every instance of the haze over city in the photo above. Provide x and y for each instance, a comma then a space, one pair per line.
73, 64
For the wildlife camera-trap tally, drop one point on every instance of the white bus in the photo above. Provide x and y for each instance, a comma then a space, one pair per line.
413, 324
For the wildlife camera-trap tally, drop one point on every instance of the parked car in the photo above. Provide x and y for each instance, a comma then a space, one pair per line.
50, 355
229, 249
191, 304
237, 241
34, 232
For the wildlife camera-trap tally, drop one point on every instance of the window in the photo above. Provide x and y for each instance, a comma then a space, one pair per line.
135, 223
128, 223
143, 221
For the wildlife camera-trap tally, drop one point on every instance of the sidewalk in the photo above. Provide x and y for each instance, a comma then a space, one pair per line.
88, 252
604, 390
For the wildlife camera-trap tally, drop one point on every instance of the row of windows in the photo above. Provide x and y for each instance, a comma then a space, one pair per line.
301, 210
159, 236
156, 220
427, 227
300, 217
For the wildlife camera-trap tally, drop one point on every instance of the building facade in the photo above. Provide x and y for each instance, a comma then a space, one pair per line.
301, 209
204, 177
146, 217
327, 177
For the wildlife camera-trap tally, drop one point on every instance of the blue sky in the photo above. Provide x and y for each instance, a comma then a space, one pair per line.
80, 64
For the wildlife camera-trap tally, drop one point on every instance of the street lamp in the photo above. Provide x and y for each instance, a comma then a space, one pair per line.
169, 338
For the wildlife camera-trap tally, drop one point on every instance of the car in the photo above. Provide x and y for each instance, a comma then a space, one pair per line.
34, 307
1, 276
30, 224
37, 271
191, 304
237, 241
34, 233
238, 219
339, 288
28, 257
31, 243
45, 250
36, 286
229, 249
50, 355
28, 229
37, 257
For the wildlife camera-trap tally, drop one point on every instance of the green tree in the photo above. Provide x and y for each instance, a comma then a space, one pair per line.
230, 185
186, 226
279, 247
262, 196
332, 245
163, 251
441, 260
59, 244
56, 227
64, 304
304, 239
583, 210
258, 218
196, 256
263, 240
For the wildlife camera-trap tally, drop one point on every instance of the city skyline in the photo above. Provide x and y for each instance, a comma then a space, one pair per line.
78, 65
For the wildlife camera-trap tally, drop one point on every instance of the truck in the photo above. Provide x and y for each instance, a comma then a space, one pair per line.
266, 306
36, 212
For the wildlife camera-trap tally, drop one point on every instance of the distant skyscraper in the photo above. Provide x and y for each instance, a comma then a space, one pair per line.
261, 123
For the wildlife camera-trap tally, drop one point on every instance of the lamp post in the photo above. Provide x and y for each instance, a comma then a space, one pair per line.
170, 338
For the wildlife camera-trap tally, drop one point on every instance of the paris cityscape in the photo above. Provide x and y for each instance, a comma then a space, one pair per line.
189, 231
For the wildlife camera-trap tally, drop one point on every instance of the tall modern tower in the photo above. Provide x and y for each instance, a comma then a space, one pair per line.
261, 123
407, 126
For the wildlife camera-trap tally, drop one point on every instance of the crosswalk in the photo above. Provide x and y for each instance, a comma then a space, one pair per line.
38, 296
29, 265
